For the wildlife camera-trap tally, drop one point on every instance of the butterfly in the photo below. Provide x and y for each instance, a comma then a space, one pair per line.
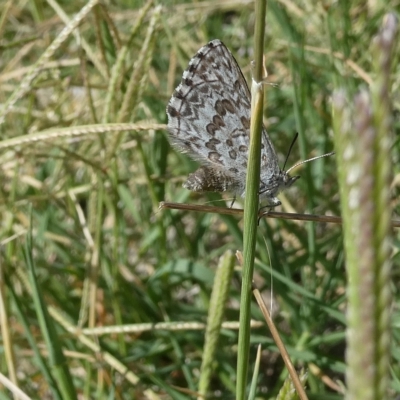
209, 119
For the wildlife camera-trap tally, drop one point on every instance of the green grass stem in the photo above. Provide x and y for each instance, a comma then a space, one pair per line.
251, 202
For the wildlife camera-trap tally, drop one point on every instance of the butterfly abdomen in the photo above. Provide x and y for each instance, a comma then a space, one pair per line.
211, 180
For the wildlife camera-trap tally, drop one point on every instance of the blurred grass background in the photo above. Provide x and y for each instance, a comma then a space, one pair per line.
105, 256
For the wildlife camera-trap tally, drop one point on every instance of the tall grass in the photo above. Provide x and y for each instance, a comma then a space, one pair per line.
85, 160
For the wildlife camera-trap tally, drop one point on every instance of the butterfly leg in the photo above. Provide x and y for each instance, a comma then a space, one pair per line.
273, 202
233, 202
261, 213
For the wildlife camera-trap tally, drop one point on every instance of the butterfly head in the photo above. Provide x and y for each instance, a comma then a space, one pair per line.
287, 180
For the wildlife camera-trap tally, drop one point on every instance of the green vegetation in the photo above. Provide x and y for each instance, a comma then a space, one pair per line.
103, 295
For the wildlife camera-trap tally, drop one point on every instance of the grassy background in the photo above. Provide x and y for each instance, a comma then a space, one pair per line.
103, 253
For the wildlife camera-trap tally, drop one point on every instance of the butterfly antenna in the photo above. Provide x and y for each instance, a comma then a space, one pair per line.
290, 149
310, 159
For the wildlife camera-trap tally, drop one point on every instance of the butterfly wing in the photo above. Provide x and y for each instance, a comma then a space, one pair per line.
209, 112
